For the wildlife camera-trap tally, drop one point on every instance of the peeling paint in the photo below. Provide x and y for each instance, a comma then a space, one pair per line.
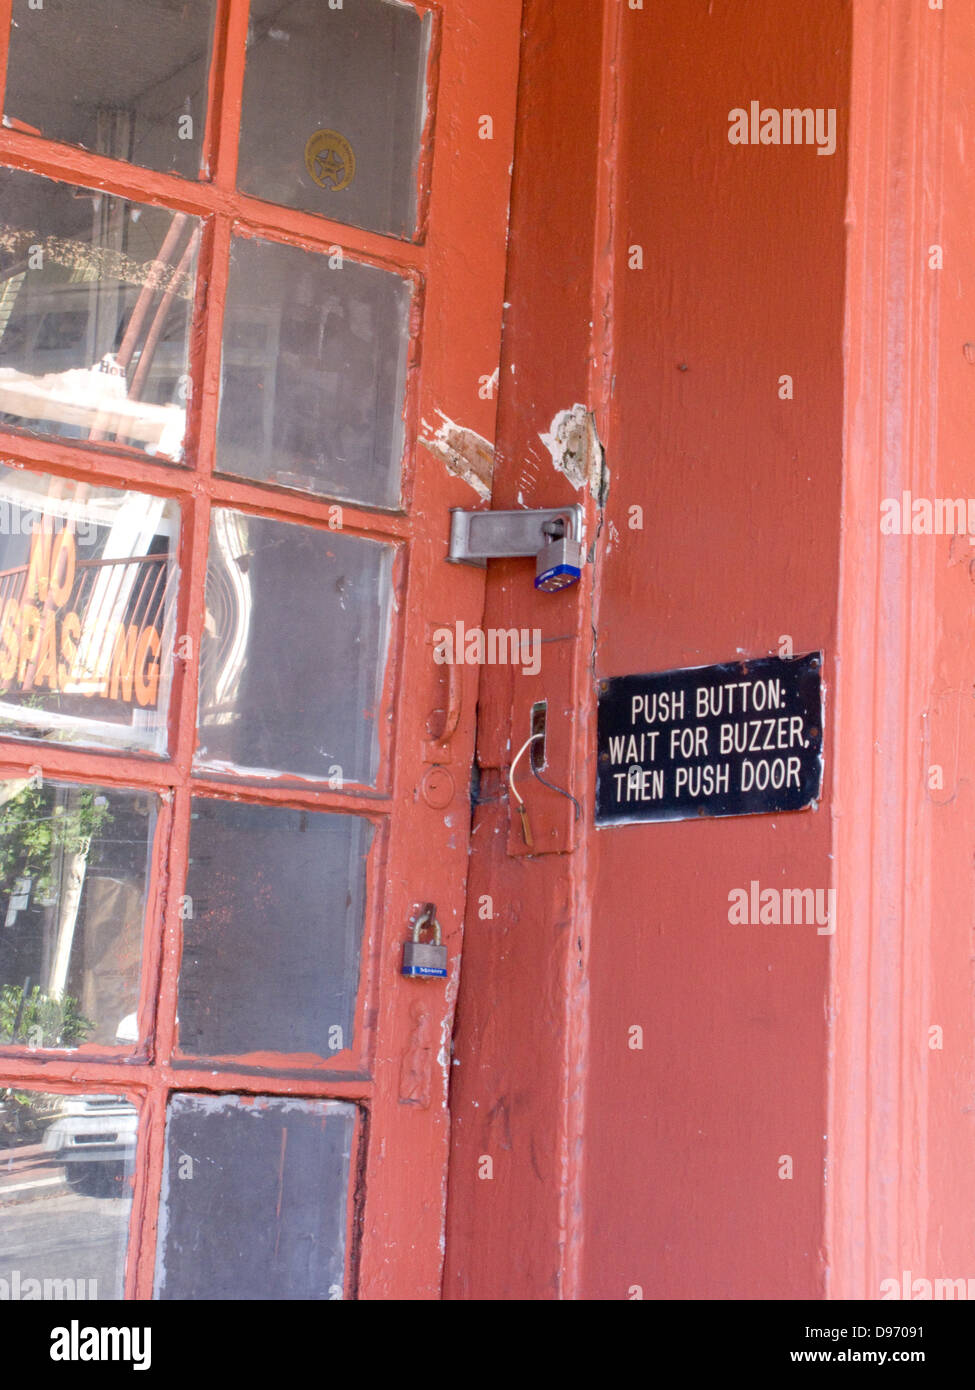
466, 454
576, 451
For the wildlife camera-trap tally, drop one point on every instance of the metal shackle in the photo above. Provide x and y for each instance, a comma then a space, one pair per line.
426, 917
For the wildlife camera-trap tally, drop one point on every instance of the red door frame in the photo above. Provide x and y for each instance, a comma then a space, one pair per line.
902, 1143
399, 1211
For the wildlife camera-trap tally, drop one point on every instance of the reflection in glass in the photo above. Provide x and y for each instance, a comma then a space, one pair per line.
294, 648
96, 300
125, 80
265, 1214
73, 871
87, 609
271, 950
333, 109
66, 1167
314, 368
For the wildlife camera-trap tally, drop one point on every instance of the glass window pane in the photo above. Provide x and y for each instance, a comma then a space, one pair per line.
271, 940
333, 109
126, 80
74, 865
294, 647
87, 610
66, 1168
314, 373
96, 303
254, 1198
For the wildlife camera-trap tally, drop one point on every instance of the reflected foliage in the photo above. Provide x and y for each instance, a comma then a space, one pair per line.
34, 832
39, 1020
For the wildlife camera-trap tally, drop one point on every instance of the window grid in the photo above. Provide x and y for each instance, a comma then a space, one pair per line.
150, 1079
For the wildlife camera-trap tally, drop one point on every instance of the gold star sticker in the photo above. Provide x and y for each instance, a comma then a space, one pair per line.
330, 166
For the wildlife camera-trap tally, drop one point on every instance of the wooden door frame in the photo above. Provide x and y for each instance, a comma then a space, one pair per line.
891, 940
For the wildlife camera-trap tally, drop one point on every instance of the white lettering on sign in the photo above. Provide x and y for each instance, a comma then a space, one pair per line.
738, 698
657, 708
640, 748
689, 742
761, 734
639, 785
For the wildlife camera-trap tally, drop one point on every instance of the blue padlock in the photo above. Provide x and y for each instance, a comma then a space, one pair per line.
558, 565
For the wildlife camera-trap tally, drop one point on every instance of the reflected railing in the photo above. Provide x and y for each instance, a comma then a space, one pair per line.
101, 395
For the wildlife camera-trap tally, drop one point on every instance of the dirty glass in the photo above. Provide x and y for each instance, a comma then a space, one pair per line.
333, 109
254, 1198
66, 1168
74, 864
293, 650
125, 79
96, 300
314, 371
272, 925
87, 610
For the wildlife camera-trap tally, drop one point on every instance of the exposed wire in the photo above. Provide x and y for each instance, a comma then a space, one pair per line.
526, 829
535, 773
514, 763
552, 787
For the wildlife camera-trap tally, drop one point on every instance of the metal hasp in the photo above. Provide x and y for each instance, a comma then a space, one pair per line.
552, 534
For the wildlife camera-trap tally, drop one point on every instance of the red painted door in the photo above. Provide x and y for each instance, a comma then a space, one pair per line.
251, 273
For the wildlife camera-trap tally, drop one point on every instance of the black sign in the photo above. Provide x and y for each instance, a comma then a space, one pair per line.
730, 740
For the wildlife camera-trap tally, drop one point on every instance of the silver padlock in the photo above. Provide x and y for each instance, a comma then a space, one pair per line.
558, 565
425, 959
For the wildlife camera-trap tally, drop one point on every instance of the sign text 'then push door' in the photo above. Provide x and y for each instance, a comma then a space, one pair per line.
735, 739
